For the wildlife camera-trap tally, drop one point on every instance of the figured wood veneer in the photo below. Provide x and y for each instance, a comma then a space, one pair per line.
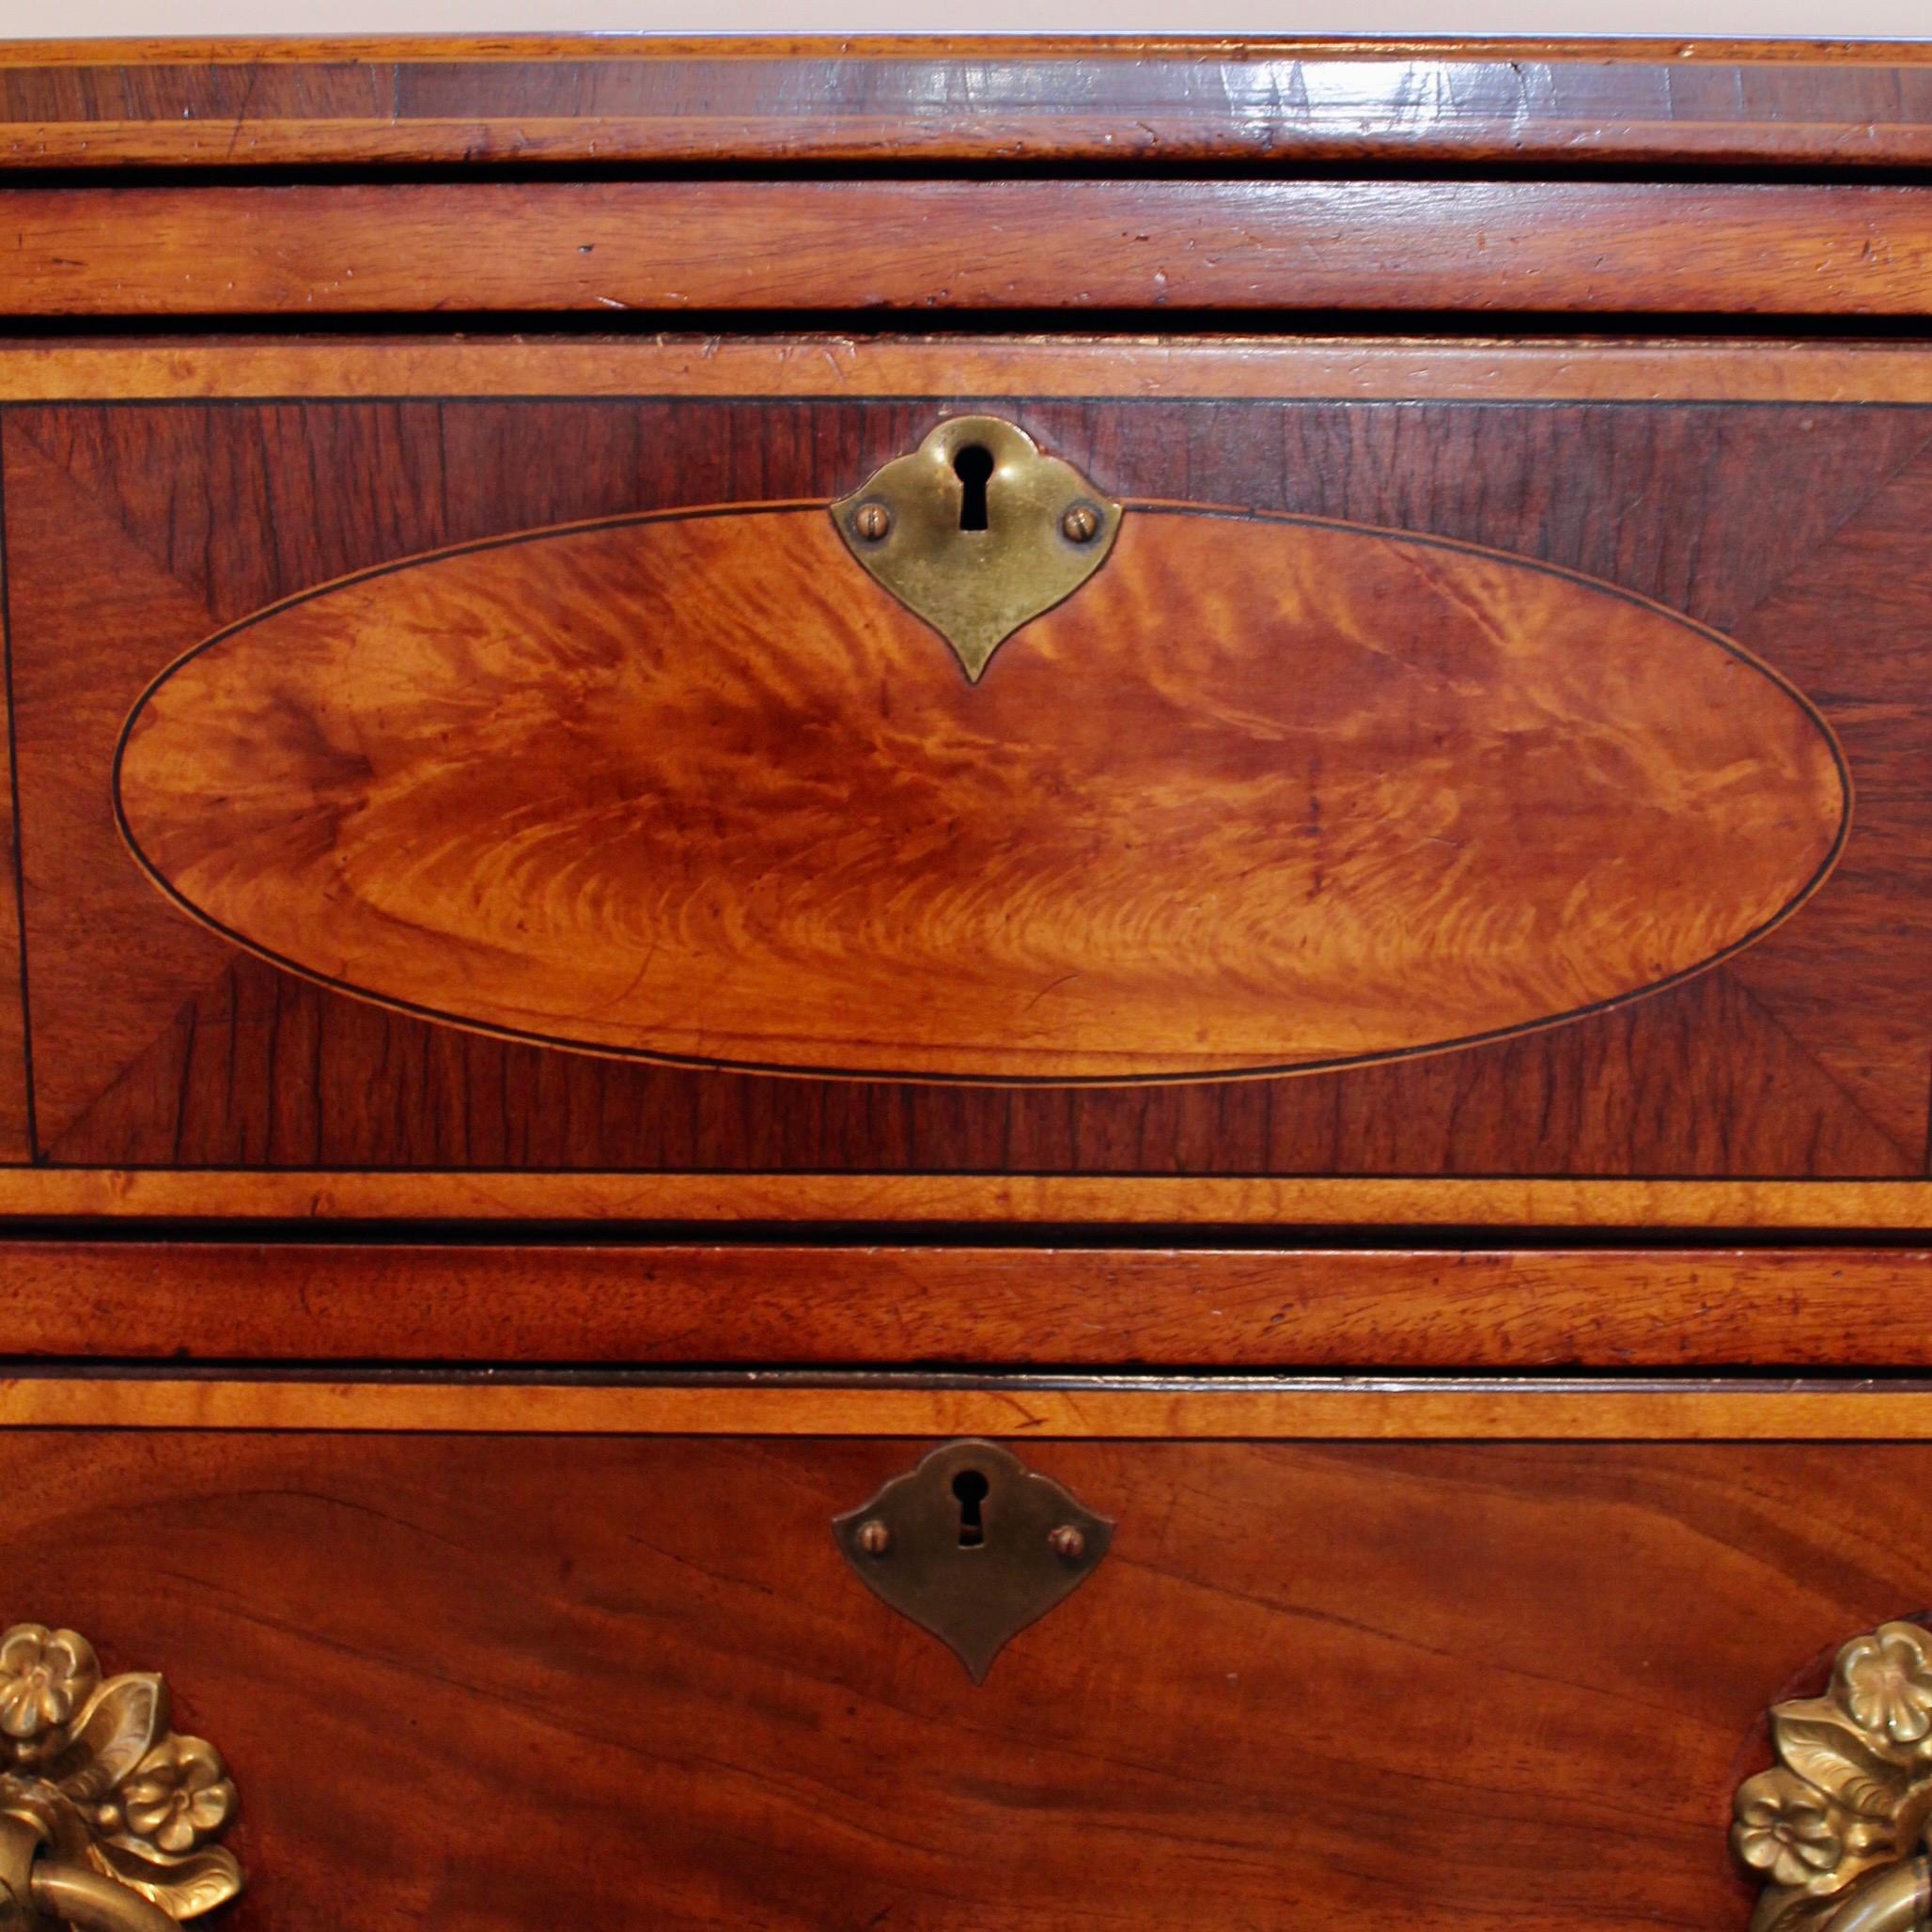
1264, 794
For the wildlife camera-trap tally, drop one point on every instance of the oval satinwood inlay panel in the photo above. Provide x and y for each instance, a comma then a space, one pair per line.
1266, 793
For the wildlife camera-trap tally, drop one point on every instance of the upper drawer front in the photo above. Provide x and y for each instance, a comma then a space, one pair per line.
586, 780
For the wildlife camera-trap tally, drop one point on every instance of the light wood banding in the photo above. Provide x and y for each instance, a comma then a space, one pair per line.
1282, 1202
1014, 1408
981, 367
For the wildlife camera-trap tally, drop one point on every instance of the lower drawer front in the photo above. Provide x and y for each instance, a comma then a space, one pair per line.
491, 1681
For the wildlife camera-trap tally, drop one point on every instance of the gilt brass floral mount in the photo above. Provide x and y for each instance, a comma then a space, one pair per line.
978, 532
108, 1818
1838, 1827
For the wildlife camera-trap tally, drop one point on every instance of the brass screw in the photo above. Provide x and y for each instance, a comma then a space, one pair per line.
1066, 1541
875, 1539
872, 520
1080, 524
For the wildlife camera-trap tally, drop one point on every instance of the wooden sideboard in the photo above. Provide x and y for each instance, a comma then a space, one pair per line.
966, 984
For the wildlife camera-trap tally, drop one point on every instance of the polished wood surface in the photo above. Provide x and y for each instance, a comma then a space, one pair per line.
1314, 1409
986, 368
1508, 708
1143, 247
505, 1684
133, 533
549, 100
779, 1302
16, 1101
558, 788
863, 1202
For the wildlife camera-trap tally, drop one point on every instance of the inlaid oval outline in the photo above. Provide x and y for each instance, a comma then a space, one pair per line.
1271, 794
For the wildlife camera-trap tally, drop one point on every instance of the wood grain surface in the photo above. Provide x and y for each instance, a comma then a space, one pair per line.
133, 533
1111, 245
988, 367
489, 1685
695, 788
647, 1204
785, 1304
16, 1101
779, 102
1017, 1407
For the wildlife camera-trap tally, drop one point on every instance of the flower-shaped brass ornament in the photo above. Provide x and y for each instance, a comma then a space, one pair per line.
1837, 1828
1883, 1683
43, 1675
95, 1785
1784, 1831
179, 1796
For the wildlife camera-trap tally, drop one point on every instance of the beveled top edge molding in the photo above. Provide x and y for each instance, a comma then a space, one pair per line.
786, 101
1563, 50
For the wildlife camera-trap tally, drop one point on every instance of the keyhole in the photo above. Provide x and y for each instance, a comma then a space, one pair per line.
969, 1486
972, 465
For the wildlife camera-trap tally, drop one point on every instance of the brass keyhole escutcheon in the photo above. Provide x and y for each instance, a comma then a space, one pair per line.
973, 1545
978, 532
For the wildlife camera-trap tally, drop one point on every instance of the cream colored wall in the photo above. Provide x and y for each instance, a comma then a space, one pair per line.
23, 19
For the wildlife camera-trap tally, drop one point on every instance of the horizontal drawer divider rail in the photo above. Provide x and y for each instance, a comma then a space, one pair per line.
1168, 247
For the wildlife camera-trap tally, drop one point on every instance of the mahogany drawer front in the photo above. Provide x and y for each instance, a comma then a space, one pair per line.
497, 1680
518, 885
